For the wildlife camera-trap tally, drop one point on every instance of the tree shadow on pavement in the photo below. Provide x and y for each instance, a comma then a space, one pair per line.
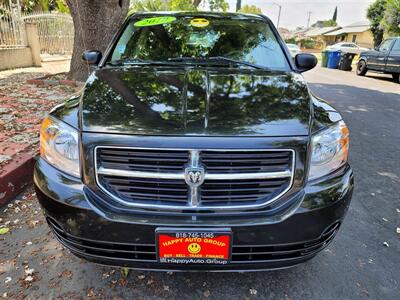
383, 77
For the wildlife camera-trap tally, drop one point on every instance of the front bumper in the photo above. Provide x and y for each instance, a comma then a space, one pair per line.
259, 243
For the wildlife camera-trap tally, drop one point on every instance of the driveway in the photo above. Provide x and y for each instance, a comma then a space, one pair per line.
362, 262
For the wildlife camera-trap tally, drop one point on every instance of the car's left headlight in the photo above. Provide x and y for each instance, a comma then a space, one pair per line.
330, 148
59, 146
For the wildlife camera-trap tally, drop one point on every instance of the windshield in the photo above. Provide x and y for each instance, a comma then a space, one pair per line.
167, 38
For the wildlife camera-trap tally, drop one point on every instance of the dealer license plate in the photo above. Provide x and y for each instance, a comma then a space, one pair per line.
188, 246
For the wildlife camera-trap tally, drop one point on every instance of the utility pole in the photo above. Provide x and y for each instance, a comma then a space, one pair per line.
309, 18
279, 15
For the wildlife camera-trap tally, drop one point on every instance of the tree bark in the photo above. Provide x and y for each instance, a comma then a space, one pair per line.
238, 5
95, 23
196, 3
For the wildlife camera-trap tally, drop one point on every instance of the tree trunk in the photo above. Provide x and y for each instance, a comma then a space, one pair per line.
238, 5
196, 3
95, 23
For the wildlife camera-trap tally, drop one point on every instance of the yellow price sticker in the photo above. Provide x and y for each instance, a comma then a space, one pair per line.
199, 22
154, 21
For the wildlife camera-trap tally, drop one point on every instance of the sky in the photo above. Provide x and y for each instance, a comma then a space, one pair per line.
295, 12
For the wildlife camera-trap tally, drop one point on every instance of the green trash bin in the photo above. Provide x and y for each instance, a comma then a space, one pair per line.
324, 58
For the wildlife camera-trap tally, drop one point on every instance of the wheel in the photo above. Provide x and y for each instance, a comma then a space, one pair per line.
396, 77
362, 68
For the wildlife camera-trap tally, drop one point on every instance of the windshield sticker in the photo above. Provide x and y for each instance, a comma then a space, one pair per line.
199, 22
154, 21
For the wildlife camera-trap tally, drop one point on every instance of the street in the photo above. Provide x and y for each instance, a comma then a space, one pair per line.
362, 262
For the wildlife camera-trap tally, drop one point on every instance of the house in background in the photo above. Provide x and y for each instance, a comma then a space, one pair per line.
318, 35
359, 33
284, 32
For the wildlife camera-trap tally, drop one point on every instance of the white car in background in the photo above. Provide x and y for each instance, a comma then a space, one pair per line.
293, 49
347, 48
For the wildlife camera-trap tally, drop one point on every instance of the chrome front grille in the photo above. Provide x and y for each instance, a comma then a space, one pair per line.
179, 179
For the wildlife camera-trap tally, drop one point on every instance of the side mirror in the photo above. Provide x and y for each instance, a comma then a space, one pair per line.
305, 62
92, 57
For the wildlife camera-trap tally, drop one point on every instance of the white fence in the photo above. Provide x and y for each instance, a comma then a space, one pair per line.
56, 31
12, 31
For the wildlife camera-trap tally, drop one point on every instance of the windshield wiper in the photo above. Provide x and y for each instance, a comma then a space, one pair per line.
137, 61
213, 59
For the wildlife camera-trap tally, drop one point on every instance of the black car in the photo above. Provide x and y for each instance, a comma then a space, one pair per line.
384, 59
195, 145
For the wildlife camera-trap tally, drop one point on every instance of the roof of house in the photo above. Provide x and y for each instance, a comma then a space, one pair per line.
359, 23
320, 31
356, 27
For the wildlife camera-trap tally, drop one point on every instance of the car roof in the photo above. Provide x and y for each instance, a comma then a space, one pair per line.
222, 15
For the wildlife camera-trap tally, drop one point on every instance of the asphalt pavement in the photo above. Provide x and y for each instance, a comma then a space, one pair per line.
362, 262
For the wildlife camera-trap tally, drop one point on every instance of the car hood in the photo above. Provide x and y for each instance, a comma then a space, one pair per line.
369, 52
195, 101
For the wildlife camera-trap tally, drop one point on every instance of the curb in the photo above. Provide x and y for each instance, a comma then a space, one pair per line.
16, 176
46, 82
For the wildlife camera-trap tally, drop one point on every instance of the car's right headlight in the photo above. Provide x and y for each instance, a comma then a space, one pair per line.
330, 148
59, 146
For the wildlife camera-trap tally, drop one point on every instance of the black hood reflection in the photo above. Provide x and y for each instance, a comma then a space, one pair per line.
177, 101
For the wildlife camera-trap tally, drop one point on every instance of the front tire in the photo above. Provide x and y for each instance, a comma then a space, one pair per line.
396, 77
362, 68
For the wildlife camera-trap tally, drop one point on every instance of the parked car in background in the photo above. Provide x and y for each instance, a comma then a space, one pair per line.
347, 47
293, 49
384, 59
195, 145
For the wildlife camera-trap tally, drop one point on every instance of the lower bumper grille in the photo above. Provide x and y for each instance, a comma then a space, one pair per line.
146, 253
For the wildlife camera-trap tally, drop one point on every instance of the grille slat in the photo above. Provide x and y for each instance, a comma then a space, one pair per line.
125, 188
234, 189
235, 169
264, 175
230, 197
134, 181
149, 159
246, 182
142, 167
244, 154
245, 160
155, 195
